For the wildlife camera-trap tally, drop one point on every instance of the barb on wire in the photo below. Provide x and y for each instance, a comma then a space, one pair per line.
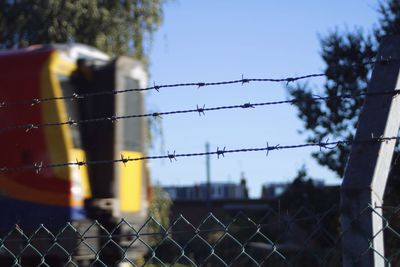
80, 163
75, 96
38, 167
171, 156
71, 121
35, 101
199, 110
155, 115
28, 127
325, 145
156, 87
244, 80
219, 152
270, 148
124, 160
248, 105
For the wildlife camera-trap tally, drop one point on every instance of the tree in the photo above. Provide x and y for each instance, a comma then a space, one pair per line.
115, 27
160, 206
344, 55
305, 192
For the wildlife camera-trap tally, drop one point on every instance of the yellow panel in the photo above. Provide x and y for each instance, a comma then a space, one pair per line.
81, 179
130, 183
59, 139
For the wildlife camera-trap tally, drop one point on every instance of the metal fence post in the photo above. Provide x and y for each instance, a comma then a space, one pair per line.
369, 163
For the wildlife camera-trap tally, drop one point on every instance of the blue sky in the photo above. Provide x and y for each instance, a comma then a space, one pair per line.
206, 41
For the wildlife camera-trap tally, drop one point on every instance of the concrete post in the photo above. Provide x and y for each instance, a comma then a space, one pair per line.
369, 163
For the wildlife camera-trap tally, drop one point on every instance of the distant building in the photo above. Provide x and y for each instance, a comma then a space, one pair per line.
274, 190
218, 191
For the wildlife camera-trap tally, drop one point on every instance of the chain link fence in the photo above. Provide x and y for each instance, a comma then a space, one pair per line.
275, 238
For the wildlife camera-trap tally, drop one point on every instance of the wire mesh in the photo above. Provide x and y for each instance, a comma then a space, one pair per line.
268, 238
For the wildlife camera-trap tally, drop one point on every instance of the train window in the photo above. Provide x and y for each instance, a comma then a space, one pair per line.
72, 108
133, 104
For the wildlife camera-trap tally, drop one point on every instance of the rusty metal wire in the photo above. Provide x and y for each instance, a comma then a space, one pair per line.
199, 109
219, 152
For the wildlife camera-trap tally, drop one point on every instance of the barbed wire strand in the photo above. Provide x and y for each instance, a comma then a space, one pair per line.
36, 101
199, 109
75, 96
39, 166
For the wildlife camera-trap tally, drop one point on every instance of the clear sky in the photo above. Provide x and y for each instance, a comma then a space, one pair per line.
209, 40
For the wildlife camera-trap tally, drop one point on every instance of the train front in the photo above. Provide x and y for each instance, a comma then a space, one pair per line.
32, 194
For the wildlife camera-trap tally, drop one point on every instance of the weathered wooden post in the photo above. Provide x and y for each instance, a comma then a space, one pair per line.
369, 163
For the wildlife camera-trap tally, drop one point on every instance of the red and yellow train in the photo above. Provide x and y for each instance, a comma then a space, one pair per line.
54, 196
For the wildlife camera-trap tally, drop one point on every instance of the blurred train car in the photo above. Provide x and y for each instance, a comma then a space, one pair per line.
77, 194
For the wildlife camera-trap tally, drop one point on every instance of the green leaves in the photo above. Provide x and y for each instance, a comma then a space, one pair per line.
344, 55
115, 27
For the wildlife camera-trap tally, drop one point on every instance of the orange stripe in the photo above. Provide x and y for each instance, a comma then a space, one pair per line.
20, 192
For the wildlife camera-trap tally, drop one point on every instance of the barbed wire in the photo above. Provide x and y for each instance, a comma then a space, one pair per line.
75, 96
39, 166
199, 109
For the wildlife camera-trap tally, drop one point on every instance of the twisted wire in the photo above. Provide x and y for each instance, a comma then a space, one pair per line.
36, 101
39, 166
199, 109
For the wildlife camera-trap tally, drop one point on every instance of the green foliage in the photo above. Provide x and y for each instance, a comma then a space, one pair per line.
343, 54
319, 200
304, 193
155, 133
115, 27
160, 211
160, 206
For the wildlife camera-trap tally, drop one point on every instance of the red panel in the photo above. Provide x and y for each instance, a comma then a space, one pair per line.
20, 73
